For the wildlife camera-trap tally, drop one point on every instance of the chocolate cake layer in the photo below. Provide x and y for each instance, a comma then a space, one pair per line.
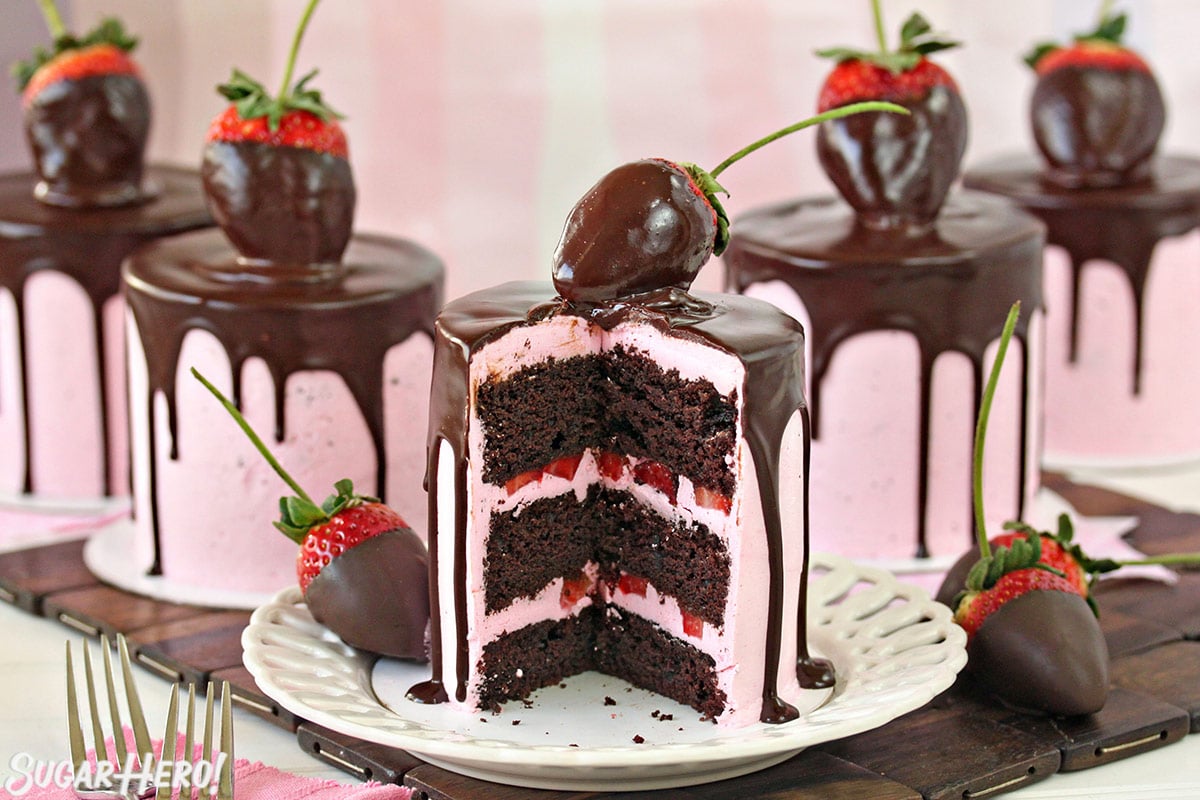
608, 640
619, 401
555, 537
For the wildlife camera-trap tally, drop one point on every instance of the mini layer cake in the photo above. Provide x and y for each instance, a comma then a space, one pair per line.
64, 231
904, 290
605, 494
901, 330
334, 361
62, 363
1122, 371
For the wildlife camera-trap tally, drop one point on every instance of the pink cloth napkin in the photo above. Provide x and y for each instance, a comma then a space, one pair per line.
252, 781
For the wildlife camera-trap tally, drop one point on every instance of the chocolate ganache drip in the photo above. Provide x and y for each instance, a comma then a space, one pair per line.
343, 319
950, 286
88, 246
770, 346
1120, 224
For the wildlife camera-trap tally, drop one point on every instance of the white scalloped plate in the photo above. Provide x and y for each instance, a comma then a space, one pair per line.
892, 646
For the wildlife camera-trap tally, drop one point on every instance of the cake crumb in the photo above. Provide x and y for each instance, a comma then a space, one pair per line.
665, 717
608, 701
516, 722
639, 739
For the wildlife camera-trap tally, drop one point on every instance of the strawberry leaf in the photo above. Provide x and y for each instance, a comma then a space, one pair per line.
109, 31
1111, 28
917, 39
709, 185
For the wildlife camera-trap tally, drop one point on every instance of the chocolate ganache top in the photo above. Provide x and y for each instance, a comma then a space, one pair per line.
768, 342
950, 285
1118, 224
344, 318
88, 245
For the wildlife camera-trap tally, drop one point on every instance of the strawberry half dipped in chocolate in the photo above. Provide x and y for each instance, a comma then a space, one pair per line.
363, 572
86, 116
895, 171
1033, 641
1097, 111
276, 171
650, 225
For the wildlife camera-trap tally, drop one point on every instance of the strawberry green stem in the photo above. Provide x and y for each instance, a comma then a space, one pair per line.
53, 18
291, 62
880, 35
1171, 560
258, 443
833, 113
985, 409
1105, 11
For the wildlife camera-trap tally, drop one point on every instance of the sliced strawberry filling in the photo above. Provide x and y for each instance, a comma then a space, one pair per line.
614, 467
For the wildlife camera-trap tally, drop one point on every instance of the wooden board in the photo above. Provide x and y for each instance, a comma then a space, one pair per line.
365, 760
27, 576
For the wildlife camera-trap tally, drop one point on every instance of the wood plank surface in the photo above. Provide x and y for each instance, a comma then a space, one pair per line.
27, 576
98, 609
366, 760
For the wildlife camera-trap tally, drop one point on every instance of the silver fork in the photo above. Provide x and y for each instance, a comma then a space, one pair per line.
115, 786
214, 770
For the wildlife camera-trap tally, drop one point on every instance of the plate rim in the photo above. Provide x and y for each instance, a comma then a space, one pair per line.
764, 741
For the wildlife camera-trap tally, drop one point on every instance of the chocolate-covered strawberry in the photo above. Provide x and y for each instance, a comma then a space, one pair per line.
363, 572
1097, 111
650, 225
86, 115
895, 171
1033, 640
276, 170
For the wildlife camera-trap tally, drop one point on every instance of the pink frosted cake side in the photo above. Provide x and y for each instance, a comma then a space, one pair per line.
1122, 369
331, 370
62, 366
901, 330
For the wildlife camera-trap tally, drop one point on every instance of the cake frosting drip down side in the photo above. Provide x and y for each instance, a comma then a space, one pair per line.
1120, 263
596, 502
329, 364
63, 383
901, 325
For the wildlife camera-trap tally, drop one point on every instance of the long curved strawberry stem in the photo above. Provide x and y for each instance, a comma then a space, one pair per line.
985, 409
833, 113
286, 86
53, 18
254, 438
880, 35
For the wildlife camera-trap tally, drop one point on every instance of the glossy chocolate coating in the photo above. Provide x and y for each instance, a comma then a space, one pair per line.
1042, 652
769, 343
343, 320
88, 138
955, 579
1121, 224
1096, 127
88, 246
375, 596
280, 205
642, 228
894, 169
950, 286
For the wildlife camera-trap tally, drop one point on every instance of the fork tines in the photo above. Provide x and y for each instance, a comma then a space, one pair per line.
214, 770
119, 761
120, 774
